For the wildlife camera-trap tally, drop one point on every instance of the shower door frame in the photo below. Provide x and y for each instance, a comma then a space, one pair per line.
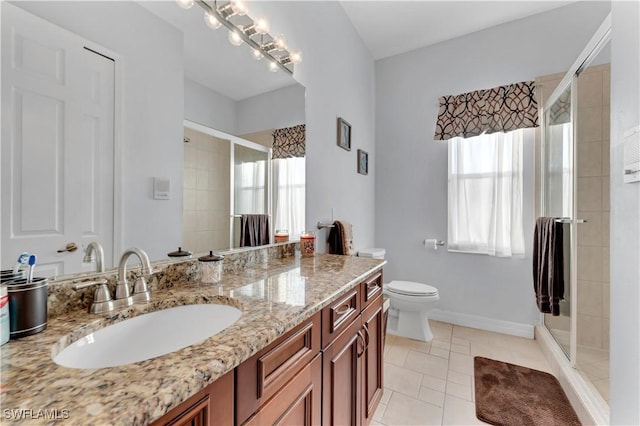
601, 37
567, 82
235, 140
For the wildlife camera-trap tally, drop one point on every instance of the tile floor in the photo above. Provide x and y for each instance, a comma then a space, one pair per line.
432, 383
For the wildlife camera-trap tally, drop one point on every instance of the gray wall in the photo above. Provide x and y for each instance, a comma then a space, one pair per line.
271, 110
625, 219
411, 179
209, 108
152, 110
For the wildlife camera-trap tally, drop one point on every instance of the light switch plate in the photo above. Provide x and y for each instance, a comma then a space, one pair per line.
161, 188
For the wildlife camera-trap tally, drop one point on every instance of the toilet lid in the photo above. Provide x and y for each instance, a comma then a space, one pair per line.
411, 288
376, 253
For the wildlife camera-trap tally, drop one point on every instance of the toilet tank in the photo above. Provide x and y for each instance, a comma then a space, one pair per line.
373, 253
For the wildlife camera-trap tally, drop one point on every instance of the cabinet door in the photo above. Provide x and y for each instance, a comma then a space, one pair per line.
372, 362
211, 406
342, 375
197, 415
297, 403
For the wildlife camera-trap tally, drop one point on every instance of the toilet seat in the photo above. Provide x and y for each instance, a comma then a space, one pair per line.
409, 288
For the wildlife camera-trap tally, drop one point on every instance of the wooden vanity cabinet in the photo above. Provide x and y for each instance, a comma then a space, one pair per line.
353, 360
327, 370
211, 406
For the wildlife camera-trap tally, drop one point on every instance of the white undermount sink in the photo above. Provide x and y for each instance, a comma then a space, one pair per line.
148, 336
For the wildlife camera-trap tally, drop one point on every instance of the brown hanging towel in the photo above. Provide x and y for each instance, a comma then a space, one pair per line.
254, 230
548, 265
341, 238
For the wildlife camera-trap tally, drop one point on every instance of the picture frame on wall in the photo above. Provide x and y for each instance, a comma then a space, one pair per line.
344, 134
363, 162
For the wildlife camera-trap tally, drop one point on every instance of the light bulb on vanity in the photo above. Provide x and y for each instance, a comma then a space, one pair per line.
185, 4
256, 54
211, 20
234, 37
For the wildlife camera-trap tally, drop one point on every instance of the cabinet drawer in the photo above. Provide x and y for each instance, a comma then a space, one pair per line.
298, 402
262, 375
337, 316
371, 288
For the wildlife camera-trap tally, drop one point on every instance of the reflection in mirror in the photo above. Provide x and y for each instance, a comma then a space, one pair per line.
229, 179
251, 197
206, 210
559, 162
176, 68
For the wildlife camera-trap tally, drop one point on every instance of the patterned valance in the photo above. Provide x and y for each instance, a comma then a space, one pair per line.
289, 142
500, 109
560, 111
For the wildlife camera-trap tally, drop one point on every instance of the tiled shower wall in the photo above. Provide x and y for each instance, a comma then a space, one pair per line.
593, 206
206, 209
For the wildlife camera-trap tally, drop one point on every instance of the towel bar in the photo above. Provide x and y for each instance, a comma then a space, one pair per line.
569, 220
325, 225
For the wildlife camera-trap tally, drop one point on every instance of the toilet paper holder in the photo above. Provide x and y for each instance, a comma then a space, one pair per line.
433, 242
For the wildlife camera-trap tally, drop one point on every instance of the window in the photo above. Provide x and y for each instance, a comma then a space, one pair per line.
485, 194
250, 183
289, 194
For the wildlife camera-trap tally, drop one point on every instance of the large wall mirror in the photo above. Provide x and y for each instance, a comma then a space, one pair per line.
119, 116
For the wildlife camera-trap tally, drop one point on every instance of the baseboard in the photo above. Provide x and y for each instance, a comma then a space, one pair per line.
483, 323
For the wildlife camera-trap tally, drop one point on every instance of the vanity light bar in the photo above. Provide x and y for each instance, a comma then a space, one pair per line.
267, 48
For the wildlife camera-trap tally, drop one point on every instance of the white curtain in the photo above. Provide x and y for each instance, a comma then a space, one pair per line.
289, 194
250, 185
485, 194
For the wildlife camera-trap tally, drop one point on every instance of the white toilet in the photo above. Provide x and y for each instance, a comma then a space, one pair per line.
410, 302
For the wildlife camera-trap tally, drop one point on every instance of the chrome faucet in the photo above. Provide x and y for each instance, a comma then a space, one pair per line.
101, 297
94, 251
141, 293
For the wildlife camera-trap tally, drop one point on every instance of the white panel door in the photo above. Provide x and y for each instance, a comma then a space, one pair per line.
57, 144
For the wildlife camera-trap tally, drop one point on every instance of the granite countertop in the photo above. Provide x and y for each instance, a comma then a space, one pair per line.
274, 297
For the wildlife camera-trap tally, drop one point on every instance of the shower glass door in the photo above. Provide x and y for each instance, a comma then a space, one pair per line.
558, 200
